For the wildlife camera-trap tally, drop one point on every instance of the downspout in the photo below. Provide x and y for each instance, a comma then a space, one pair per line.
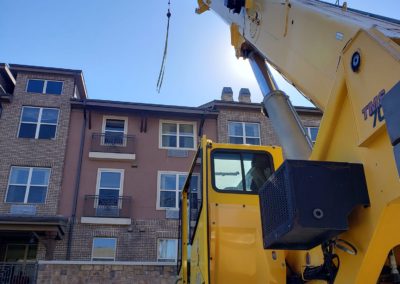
77, 182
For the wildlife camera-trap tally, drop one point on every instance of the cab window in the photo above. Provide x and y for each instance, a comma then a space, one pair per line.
240, 172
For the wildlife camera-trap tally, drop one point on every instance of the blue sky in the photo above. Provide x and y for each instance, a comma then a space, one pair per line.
119, 45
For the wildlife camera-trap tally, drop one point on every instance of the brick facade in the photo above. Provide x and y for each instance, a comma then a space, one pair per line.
35, 152
135, 242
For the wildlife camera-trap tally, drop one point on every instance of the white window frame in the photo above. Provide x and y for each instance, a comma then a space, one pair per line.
177, 134
177, 190
28, 185
103, 128
121, 182
38, 123
243, 123
105, 258
44, 86
159, 259
308, 128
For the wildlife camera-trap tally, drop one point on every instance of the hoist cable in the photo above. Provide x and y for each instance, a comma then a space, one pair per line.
164, 59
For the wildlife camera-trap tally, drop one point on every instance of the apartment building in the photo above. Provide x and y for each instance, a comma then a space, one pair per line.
90, 188
34, 122
126, 164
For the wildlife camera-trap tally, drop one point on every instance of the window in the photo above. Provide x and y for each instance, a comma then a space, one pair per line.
20, 253
241, 171
38, 123
312, 133
104, 248
114, 129
244, 133
167, 250
27, 185
109, 189
44, 87
170, 185
178, 135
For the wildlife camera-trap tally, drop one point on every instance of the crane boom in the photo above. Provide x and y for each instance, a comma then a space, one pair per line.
347, 62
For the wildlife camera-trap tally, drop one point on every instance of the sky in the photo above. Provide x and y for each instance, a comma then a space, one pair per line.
118, 44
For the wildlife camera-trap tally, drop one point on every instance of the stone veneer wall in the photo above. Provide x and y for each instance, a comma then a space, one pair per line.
99, 273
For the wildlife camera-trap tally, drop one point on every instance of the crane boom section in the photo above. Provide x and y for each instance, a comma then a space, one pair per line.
304, 39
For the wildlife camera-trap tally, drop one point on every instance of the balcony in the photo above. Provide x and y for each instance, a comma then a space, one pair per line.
106, 146
107, 210
16, 272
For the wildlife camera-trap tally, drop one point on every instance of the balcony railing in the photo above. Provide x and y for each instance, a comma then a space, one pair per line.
16, 272
112, 143
107, 207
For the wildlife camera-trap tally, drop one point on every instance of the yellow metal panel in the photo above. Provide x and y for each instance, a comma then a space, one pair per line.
236, 250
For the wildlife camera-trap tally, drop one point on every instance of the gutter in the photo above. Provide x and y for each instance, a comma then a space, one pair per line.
77, 182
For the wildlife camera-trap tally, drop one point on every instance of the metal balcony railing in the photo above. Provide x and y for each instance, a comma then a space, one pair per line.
16, 272
112, 143
106, 206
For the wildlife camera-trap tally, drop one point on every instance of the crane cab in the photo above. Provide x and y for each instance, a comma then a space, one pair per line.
220, 229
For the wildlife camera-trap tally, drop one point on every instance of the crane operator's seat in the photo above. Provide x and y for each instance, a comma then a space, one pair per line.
260, 171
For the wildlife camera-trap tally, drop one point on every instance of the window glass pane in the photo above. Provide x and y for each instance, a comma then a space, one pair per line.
253, 141
313, 133
257, 168
168, 182
186, 142
15, 253
114, 138
169, 128
40, 177
168, 141
186, 129
27, 130
16, 193
110, 179
49, 116
194, 183
252, 130
37, 194
30, 114
19, 175
115, 125
167, 249
182, 179
236, 140
104, 248
227, 171
108, 197
108, 193
167, 199
235, 129
54, 88
35, 86
47, 131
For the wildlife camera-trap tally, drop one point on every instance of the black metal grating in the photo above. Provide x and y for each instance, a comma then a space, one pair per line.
298, 190
275, 195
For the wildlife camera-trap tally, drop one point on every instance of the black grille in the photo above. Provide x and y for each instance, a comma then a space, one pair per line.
305, 203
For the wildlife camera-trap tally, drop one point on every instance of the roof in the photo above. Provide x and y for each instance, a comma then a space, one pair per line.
215, 104
118, 106
77, 74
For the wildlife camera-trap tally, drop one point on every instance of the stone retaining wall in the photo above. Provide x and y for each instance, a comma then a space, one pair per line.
99, 273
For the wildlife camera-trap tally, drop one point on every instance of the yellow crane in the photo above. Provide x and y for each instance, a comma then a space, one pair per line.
328, 213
